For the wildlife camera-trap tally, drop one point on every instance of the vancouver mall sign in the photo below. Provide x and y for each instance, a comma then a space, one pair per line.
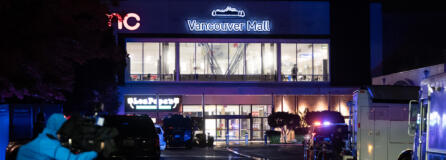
231, 20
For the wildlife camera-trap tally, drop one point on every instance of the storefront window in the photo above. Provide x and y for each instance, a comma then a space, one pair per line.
265, 124
228, 110
228, 61
246, 109
221, 129
304, 62
192, 110
210, 110
233, 130
219, 125
220, 110
211, 126
257, 128
245, 128
261, 110
151, 61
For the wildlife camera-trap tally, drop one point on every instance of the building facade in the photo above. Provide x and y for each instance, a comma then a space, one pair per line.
232, 62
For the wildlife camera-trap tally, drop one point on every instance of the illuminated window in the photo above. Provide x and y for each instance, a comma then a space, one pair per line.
134, 49
257, 128
304, 62
151, 61
261, 110
320, 62
228, 110
192, 110
253, 59
228, 61
210, 110
246, 109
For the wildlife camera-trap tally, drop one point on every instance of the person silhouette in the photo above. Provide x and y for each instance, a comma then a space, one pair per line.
294, 72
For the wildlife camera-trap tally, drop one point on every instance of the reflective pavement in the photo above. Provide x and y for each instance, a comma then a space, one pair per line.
197, 153
237, 151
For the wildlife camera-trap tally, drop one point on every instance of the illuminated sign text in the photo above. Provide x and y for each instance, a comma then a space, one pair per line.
150, 103
232, 20
124, 22
249, 26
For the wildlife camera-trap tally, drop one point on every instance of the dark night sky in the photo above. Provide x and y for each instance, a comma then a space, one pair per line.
414, 35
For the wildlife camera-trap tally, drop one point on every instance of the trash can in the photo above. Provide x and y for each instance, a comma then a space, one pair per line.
273, 136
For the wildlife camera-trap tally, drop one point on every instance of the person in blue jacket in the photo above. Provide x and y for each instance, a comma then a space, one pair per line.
47, 146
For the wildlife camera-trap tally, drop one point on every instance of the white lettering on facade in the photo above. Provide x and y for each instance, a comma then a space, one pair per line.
248, 26
150, 103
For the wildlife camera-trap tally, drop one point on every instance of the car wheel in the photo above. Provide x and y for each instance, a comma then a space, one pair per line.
405, 155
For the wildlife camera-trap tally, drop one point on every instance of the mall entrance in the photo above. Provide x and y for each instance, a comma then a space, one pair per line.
236, 127
231, 116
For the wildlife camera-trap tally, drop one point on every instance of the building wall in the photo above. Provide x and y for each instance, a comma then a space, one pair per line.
347, 28
170, 16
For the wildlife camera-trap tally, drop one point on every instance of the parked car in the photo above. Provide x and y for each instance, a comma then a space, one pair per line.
179, 138
178, 131
137, 137
160, 133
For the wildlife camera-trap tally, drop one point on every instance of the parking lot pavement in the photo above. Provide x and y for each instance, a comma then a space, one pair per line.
197, 153
270, 151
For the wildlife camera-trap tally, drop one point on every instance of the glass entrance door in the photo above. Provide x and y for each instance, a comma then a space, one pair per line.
245, 128
211, 127
234, 129
221, 129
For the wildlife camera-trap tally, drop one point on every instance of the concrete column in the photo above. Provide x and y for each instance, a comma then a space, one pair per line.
177, 62
279, 65
203, 116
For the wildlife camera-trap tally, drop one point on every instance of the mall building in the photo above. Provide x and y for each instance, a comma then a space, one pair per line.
235, 62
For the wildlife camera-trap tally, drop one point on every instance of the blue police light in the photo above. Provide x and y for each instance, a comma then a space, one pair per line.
187, 136
327, 123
